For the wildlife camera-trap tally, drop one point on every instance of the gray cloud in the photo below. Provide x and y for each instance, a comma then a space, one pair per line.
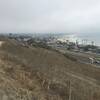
75, 16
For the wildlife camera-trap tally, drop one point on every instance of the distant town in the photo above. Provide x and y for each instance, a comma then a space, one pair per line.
56, 42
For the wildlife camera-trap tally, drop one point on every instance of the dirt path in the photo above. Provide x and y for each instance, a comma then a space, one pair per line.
83, 78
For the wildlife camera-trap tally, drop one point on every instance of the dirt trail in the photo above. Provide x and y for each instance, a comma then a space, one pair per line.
83, 78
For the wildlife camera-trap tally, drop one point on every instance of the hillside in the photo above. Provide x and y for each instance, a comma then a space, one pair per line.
36, 73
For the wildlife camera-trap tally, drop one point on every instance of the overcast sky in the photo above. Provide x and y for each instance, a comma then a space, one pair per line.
70, 16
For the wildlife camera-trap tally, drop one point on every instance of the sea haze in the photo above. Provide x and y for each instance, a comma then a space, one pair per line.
79, 37
91, 37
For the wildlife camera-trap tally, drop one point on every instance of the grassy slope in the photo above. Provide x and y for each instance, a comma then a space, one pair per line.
30, 67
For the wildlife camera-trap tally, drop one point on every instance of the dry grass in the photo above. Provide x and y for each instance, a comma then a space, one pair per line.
40, 74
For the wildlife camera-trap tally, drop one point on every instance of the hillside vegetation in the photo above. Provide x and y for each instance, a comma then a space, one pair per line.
36, 73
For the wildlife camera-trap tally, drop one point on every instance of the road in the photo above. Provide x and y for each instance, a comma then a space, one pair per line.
82, 57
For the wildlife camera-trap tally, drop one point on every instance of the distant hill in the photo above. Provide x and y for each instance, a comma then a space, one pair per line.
36, 73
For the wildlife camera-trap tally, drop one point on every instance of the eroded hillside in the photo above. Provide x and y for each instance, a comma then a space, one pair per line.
40, 74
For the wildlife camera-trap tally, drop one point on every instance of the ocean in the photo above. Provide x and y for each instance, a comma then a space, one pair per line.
80, 37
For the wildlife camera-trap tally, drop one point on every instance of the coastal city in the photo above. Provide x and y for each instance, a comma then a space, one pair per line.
83, 51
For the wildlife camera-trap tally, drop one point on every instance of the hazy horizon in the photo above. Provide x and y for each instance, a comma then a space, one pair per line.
72, 36
80, 17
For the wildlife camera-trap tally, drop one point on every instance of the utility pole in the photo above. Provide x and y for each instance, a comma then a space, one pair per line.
85, 40
77, 43
70, 90
92, 43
